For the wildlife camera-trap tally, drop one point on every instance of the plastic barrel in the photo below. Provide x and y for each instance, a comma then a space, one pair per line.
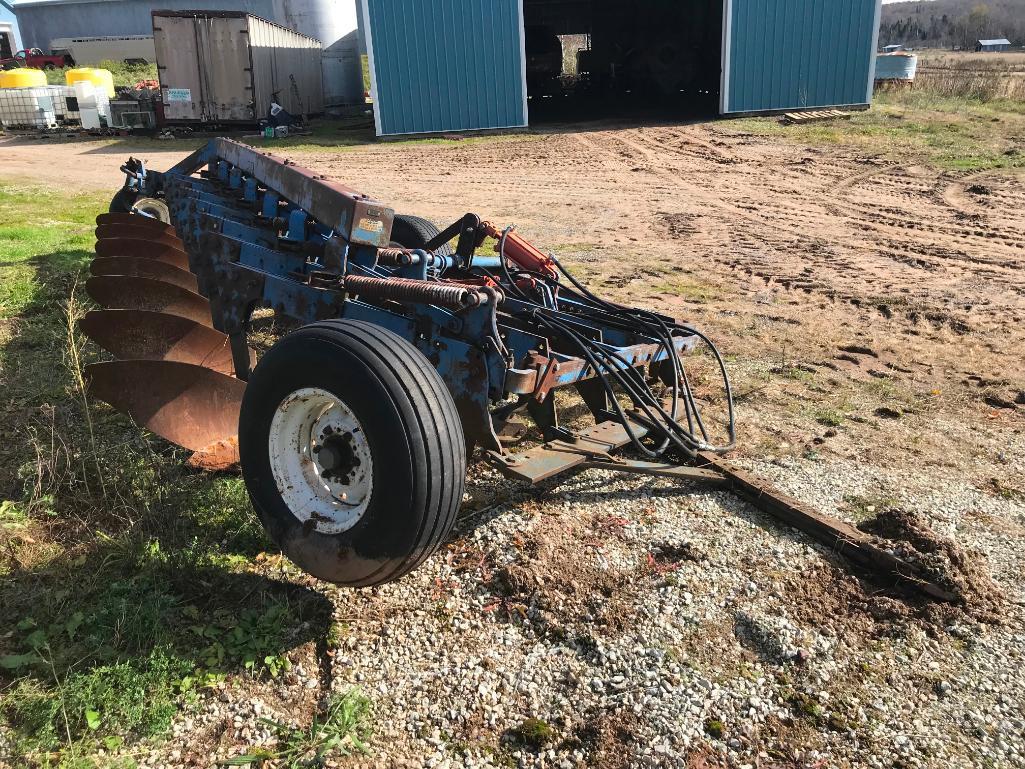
22, 78
100, 78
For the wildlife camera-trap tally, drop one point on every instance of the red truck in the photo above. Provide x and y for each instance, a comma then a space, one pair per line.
35, 58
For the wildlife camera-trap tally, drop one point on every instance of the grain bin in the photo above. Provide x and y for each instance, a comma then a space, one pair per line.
223, 67
892, 67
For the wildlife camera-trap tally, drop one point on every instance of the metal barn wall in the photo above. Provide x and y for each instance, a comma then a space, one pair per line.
795, 54
43, 21
451, 65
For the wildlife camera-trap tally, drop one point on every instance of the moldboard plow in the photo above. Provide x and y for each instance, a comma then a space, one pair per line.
353, 430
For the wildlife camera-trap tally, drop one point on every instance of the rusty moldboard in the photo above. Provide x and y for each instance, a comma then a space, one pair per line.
193, 406
123, 292
139, 232
144, 335
141, 267
141, 248
135, 220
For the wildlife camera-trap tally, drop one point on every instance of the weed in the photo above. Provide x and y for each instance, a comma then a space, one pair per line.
342, 729
862, 507
830, 417
137, 698
715, 729
533, 732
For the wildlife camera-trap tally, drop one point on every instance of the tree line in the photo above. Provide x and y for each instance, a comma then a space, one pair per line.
952, 23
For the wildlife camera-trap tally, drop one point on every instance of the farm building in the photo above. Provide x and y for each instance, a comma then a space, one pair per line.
482, 64
8, 40
998, 44
332, 22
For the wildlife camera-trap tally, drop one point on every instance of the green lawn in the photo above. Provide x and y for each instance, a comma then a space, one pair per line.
950, 133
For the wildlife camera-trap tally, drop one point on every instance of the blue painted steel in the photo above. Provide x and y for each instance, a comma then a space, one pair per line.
454, 65
797, 54
243, 261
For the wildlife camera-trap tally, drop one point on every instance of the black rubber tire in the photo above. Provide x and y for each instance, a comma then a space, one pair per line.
123, 201
416, 232
416, 443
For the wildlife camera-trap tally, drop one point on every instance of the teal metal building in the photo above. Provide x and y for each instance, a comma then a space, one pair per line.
464, 65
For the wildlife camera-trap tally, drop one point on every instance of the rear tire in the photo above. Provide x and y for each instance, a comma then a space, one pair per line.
352, 425
416, 232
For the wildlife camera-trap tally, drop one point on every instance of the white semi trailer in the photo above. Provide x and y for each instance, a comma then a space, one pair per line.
133, 49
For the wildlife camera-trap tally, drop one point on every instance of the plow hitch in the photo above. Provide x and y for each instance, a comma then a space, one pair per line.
413, 347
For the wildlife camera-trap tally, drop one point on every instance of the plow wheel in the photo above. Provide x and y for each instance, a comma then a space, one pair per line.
352, 452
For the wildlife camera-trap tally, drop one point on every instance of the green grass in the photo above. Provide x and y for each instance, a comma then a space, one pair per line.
343, 728
127, 582
37, 235
124, 74
950, 133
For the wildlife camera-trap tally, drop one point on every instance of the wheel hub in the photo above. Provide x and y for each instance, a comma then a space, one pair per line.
320, 459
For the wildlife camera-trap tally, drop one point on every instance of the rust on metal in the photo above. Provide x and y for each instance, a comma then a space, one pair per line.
192, 406
409, 290
143, 249
537, 464
122, 292
139, 232
135, 220
144, 268
144, 335
831, 532
361, 219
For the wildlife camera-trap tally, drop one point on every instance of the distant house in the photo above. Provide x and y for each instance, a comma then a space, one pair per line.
892, 48
1000, 44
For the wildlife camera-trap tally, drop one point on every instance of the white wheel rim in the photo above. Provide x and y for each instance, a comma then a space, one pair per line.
320, 460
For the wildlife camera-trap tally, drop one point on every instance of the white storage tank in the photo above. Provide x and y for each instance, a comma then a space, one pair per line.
50, 106
31, 107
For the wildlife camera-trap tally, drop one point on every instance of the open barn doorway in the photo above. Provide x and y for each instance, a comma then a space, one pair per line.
646, 59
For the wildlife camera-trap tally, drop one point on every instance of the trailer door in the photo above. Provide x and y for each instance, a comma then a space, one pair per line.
227, 68
797, 54
177, 47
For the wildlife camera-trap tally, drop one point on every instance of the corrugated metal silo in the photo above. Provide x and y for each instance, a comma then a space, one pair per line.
896, 66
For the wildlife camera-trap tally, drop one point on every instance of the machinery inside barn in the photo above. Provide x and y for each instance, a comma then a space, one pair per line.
650, 54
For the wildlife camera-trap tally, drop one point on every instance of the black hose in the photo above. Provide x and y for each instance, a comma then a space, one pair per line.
655, 326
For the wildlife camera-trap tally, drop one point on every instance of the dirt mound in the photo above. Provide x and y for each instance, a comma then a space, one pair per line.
608, 738
557, 582
942, 561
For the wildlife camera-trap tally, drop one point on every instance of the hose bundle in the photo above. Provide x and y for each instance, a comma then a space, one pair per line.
663, 425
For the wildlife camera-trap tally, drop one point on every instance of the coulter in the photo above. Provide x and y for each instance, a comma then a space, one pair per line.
410, 348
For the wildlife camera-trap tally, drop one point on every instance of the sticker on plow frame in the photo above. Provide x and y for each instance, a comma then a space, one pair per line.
179, 94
